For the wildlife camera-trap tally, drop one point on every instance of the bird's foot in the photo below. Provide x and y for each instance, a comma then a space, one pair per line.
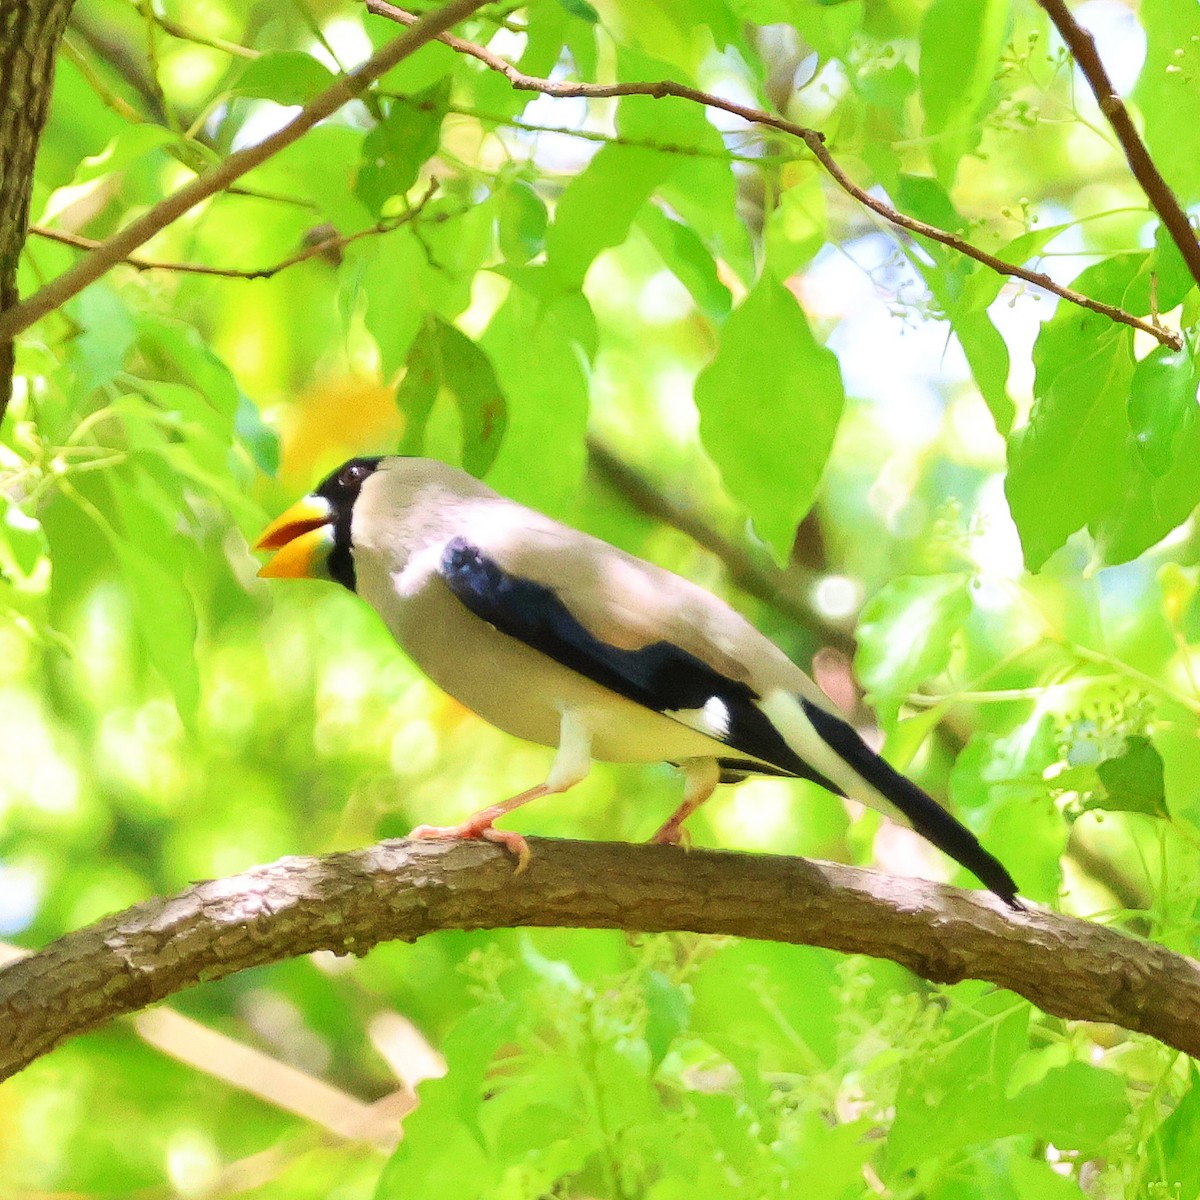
672, 834
480, 828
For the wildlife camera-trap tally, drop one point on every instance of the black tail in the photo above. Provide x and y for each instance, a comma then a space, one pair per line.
927, 816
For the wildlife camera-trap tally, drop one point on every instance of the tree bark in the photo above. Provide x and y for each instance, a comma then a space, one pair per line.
30, 31
349, 902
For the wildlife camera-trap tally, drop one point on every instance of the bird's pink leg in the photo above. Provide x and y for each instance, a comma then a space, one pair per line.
571, 764
701, 776
479, 825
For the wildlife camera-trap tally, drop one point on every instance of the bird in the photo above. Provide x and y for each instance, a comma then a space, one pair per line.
564, 640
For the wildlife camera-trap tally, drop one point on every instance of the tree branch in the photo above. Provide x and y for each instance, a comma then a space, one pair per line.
1083, 48
30, 33
118, 248
349, 902
322, 242
812, 138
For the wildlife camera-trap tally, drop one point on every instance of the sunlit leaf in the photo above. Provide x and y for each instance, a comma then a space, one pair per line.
906, 630
541, 376
522, 222
956, 74
955, 1097
1162, 404
688, 260
769, 404
395, 150
1076, 1106
1169, 85
598, 207
285, 76
1067, 465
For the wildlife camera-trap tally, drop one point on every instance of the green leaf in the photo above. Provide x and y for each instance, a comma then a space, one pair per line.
886, 84
1066, 467
418, 391
176, 347
927, 200
1133, 780
701, 188
829, 28
581, 9
394, 152
997, 768
1148, 507
1036, 1179
598, 207
769, 404
796, 229
954, 1096
543, 455
285, 76
443, 357
391, 276
442, 1156
687, 258
134, 142
987, 356
961, 43
1174, 1150
905, 633
1076, 1107
667, 1009
23, 544
106, 336
420, 71
166, 620
522, 230
1162, 403
1168, 86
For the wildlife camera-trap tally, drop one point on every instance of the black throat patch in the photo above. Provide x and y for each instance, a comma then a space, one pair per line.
341, 489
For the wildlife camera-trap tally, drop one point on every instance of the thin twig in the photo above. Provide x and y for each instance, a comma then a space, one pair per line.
184, 34
325, 245
1083, 47
589, 135
812, 138
119, 247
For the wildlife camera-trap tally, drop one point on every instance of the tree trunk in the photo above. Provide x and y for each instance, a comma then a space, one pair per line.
29, 35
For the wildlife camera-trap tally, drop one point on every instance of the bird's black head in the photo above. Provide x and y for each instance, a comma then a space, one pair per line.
340, 488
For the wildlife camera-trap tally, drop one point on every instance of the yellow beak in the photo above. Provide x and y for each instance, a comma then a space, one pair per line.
299, 537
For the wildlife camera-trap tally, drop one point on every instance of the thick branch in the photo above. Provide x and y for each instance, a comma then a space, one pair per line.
30, 31
398, 889
118, 248
812, 138
1083, 48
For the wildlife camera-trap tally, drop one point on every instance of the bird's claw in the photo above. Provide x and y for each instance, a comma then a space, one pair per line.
672, 835
513, 842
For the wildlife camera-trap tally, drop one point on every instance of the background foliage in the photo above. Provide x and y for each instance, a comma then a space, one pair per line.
992, 490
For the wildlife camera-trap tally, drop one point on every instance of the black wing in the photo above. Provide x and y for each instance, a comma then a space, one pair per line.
660, 676
667, 679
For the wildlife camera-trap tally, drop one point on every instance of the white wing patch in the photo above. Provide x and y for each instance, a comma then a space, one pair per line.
712, 719
787, 715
